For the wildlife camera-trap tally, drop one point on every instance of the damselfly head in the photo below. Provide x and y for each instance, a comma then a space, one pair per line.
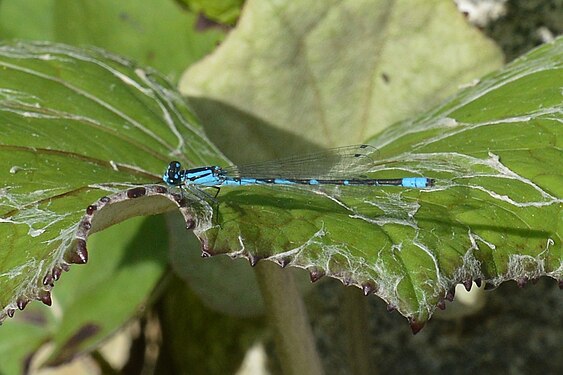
174, 174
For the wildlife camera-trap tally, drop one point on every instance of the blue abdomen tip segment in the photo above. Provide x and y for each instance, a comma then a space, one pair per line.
282, 181
417, 182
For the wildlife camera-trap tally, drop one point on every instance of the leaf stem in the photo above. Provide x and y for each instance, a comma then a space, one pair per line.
354, 314
287, 315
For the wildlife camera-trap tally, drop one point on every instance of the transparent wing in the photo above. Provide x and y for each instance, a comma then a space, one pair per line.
336, 163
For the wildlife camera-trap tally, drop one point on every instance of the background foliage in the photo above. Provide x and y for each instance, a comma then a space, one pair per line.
271, 86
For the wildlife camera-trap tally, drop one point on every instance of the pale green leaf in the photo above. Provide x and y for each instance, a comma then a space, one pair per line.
305, 73
90, 303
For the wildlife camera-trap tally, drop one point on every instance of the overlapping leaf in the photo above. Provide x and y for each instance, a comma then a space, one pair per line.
76, 125
295, 75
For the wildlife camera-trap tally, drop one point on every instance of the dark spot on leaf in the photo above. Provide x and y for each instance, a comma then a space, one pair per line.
86, 224
468, 284
315, 274
160, 189
450, 294
56, 272
416, 325
22, 303
181, 201
441, 304
283, 262
10, 312
478, 282
253, 259
190, 224
105, 199
136, 192
385, 77
368, 288
80, 253
205, 250
45, 297
203, 24
90, 210
48, 279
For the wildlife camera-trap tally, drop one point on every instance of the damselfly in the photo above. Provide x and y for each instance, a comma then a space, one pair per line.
345, 166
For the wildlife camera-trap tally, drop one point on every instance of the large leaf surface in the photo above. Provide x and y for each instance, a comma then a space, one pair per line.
494, 213
306, 73
76, 125
152, 32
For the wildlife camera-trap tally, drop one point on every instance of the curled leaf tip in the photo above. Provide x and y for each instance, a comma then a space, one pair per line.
48, 279
45, 297
468, 284
522, 282
79, 255
450, 294
368, 288
22, 303
441, 304
56, 272
253, 259
284, 262
416, 325
315, 274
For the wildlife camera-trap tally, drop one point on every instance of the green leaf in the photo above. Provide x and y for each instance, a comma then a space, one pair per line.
191, 332
154, 33
295, 75
125, 255
225, 285
91, 302
20, 339
26, 19
493, 214
77, 125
